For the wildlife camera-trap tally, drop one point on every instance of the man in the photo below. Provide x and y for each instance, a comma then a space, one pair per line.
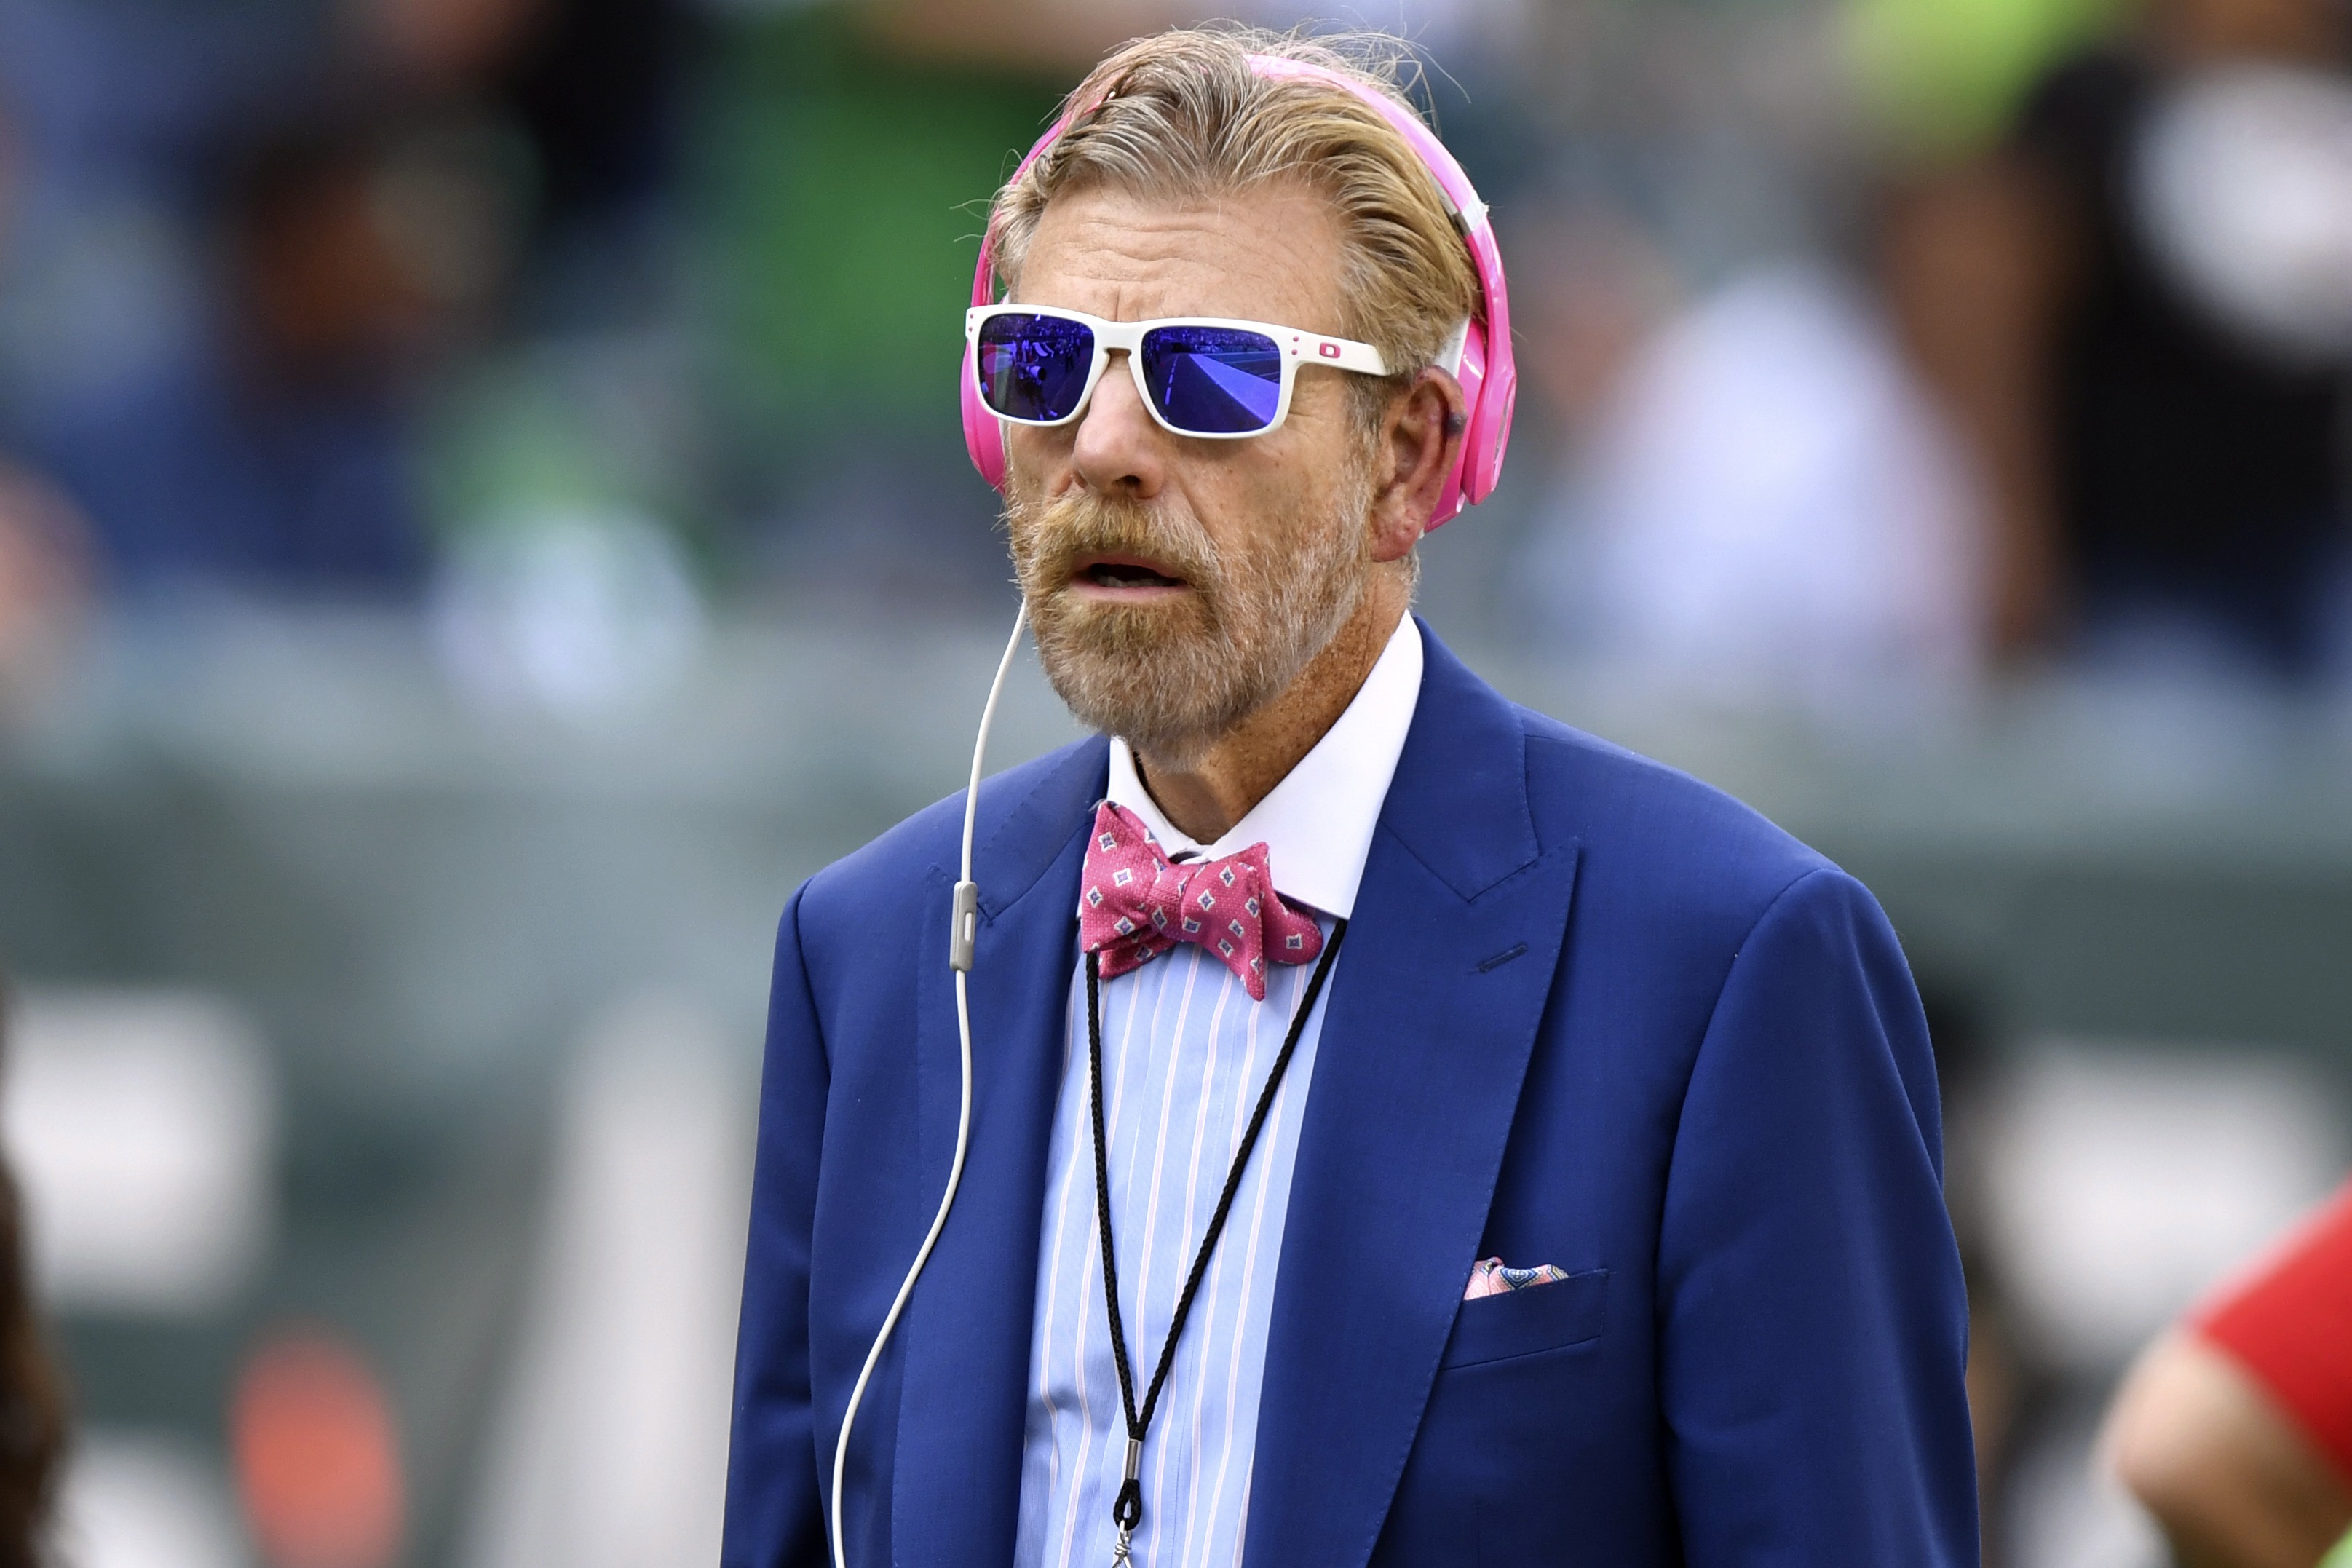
1566, 1188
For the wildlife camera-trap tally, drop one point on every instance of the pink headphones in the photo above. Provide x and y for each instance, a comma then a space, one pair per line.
1490, 381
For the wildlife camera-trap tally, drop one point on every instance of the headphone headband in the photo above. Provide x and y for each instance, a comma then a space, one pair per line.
1489, 378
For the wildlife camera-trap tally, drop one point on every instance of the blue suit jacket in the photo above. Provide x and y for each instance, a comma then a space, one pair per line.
1591, 1012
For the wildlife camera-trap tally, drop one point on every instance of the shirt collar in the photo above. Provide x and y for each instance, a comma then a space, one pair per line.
1317, 823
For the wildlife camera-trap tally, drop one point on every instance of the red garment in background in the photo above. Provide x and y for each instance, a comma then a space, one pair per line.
2291, 1326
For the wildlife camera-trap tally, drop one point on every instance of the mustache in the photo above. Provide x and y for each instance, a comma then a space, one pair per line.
1049, 542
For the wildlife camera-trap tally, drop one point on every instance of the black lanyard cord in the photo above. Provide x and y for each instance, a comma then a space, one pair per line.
1127, 1512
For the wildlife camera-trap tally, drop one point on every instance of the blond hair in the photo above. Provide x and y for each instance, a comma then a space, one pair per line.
1182, 115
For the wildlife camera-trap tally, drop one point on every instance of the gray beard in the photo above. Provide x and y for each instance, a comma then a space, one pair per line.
1172, 682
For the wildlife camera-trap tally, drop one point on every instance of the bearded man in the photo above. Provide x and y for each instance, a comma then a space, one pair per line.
1402, 1130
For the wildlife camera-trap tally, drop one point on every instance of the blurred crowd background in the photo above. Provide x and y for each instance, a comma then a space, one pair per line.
482, 514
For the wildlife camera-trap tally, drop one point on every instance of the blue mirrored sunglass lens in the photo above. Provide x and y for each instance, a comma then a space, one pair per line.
1034, 367
1213, 381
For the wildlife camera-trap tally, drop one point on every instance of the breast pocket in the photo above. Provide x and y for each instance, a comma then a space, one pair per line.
1533, 1318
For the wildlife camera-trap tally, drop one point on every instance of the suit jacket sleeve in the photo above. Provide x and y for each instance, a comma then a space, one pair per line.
774, 1515
1813, 1321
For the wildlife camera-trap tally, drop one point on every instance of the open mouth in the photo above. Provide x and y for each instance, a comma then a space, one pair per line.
1127, 574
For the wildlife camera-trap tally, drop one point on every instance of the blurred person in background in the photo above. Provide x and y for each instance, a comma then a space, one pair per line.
333, 200
2138, 311
278, 457
1758, 501
2236, 1429
1755, 497
117, 337
32, 1398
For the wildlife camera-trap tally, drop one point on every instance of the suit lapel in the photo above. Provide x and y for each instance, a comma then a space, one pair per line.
1448, 963
957, 1487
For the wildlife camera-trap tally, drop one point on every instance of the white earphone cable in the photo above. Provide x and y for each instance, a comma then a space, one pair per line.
963, 937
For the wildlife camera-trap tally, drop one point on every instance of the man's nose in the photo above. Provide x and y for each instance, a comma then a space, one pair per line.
1119, 445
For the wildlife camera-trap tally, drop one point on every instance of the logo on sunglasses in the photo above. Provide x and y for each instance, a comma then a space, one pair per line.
1328, 350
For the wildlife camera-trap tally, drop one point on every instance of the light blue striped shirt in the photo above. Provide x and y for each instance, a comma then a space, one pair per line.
1185, 1055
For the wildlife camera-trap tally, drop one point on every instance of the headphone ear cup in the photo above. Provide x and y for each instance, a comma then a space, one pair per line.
1471, 373
1491, 391
1501, 400
983, 433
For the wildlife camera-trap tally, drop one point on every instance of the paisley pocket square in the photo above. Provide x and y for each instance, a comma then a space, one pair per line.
1488, 1276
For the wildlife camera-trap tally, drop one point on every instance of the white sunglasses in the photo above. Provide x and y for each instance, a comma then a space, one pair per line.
1198, 376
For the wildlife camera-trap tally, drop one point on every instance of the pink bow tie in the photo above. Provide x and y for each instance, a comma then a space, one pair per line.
1138, 904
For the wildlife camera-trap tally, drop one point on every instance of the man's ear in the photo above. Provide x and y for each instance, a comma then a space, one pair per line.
1420, 441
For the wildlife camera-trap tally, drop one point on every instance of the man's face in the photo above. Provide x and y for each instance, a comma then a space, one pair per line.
1177, 583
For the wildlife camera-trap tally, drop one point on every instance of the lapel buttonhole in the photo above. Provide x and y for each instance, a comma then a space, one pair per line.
1503, 958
